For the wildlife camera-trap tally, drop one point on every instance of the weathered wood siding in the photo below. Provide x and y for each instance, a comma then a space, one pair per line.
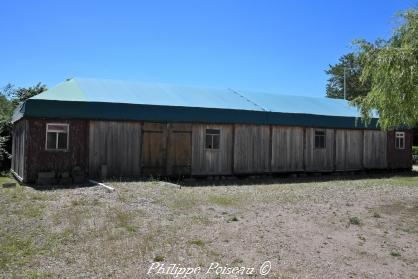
38, 159
252, 149
154, 149
19, 148
132, 149
399, 158
349, 149
287, 149
374, 149
319, 159
209, 161
179, 156
117, 145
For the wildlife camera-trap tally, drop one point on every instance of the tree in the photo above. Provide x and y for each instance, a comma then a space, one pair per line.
354, 87
10, 97
21, 94
391, 67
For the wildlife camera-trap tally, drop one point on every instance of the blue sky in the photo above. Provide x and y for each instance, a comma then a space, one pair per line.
276, 46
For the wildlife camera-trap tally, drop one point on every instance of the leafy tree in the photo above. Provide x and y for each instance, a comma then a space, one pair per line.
10, 97
354, 86
21, 94
392, 69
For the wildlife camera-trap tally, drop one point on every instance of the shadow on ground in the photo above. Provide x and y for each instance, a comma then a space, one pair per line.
249, 179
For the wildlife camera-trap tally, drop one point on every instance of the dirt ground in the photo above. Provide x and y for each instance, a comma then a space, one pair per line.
315, 227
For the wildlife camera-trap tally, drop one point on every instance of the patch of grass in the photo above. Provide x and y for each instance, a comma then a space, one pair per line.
16, 251
123, 219
183, 200
354, 221
197, 242
35, 274
80, 202
6, 179
395, 254
221, 200
200, 219
405, 180
159, 258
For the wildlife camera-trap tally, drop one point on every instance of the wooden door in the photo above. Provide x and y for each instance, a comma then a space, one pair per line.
179, 157
153, 161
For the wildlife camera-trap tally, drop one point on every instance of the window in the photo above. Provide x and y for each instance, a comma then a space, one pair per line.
400, 140
212, 138
319, 139
56, 137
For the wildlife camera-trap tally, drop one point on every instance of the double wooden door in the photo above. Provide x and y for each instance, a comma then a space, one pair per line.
166, 149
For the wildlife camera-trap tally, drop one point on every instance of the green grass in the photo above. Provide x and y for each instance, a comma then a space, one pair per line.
405, 180
159, 258
354, 221
221, 200
6, 179
124, 219
395, 254
197, 242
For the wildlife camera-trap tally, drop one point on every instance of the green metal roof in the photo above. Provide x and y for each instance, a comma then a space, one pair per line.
121, 100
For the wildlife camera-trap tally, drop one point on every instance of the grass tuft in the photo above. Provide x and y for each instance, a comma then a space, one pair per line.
354, 221
197, 242
159, 258
395, 254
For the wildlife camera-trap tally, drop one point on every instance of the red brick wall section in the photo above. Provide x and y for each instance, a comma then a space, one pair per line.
39, 159
399, 158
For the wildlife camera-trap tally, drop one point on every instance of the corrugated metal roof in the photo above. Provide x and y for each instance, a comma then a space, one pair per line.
121, 100
114, 91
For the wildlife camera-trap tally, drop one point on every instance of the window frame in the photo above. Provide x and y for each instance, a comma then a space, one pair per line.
324, 135
212, 135
47, 130
401, 136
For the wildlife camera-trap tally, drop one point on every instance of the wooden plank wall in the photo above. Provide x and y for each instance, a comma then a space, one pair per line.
251, 149
19, 148
374, 149
117, 145
209, 161
154, 149
349, 149
287, 149
319, 159
134, 149
179, 151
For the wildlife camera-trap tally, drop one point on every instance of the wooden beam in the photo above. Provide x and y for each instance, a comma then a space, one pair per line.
110, 189
18, 177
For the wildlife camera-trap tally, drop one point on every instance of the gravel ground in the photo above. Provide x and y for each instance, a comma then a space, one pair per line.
320, 227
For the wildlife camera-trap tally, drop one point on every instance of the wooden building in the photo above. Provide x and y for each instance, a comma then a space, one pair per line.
126, 129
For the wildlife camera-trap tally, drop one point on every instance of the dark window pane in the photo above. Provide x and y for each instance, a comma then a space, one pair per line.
216, 142
62, 141
208, 142
51, 140
213, 131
